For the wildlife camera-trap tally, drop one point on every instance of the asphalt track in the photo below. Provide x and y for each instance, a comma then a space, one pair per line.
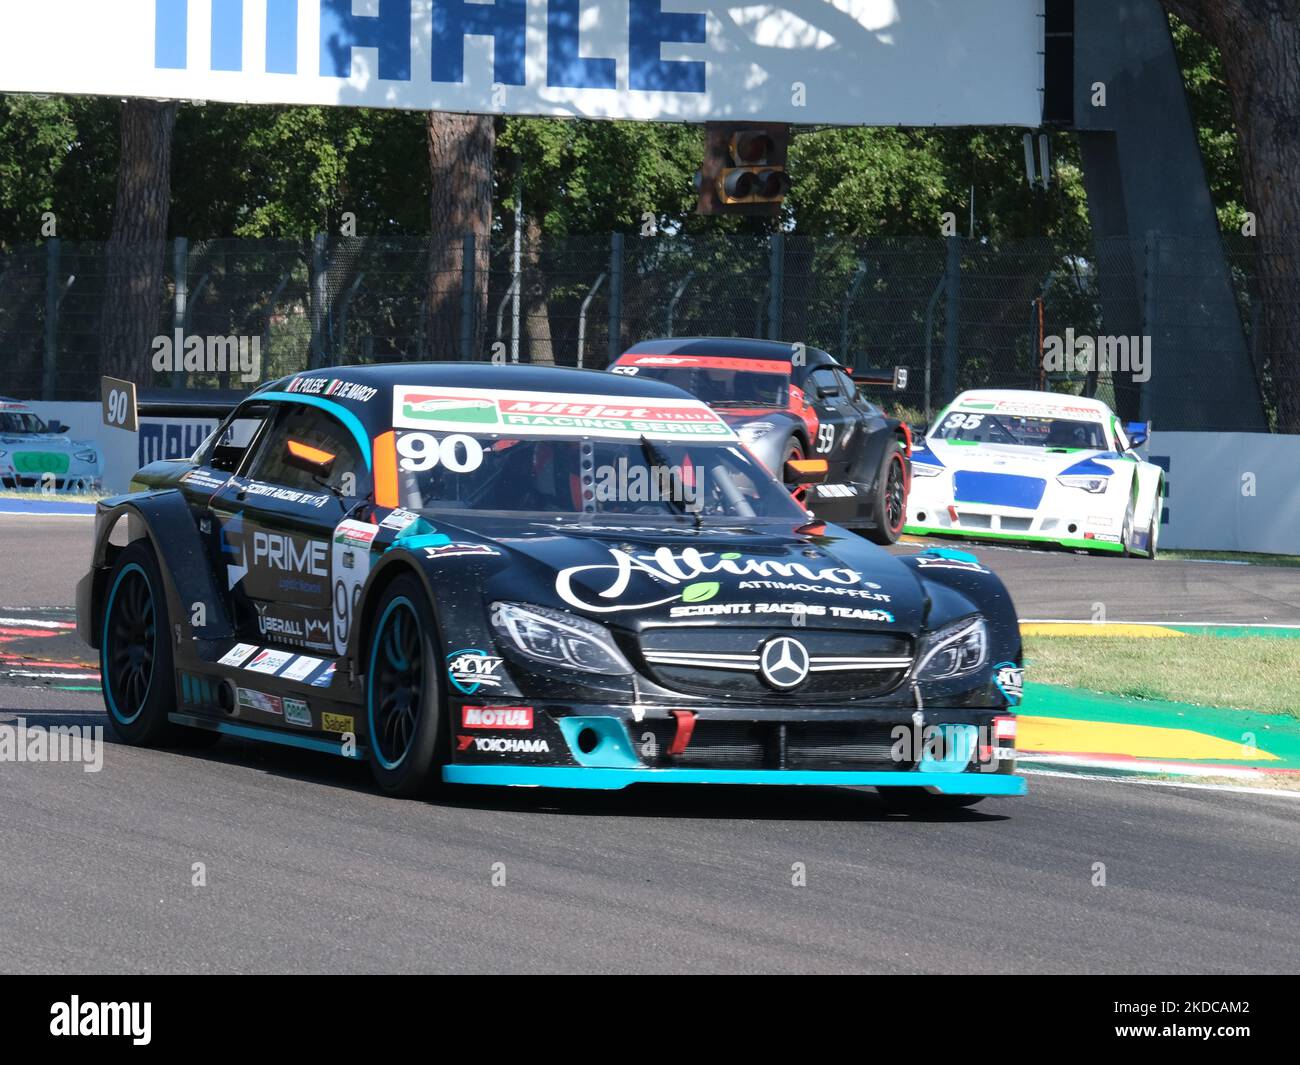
308, 869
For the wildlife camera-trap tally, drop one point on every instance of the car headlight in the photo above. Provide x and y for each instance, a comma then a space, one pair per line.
920, 469
752, 432
1095, 485
954, 650
558, 639
87, 456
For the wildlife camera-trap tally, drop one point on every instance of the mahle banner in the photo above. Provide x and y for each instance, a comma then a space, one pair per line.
843, 62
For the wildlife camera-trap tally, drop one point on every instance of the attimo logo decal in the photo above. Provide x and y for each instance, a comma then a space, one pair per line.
389, 33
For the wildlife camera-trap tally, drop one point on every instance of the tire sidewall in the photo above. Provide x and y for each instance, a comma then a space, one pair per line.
884, 533
148, 724
420, 767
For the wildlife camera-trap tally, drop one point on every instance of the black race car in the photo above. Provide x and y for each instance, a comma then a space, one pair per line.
794, 404
512, 575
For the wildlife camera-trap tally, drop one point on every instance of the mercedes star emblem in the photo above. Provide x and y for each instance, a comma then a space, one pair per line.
784, 663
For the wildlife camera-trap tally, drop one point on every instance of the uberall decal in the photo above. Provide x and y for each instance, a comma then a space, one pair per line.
74, 1017
179, 353
682, 570
624, 482
1105, 354
60, 743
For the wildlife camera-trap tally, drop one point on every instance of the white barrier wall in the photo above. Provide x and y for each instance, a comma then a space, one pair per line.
1226, 491
1230, 491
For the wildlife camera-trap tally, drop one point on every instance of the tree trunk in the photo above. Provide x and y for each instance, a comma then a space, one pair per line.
537, 315
133, 292
461, 149
1260, 44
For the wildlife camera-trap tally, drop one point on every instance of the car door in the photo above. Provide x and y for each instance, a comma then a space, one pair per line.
293, 561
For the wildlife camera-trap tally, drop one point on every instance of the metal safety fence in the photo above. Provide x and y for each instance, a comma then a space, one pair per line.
957, 313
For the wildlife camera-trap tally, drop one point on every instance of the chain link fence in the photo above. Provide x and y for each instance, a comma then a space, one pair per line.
957, 313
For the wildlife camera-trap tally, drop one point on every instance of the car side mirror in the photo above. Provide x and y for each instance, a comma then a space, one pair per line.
308, 459
58, 427
1138, 433
805, 471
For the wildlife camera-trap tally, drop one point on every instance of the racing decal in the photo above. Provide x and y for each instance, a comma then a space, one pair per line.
255, 700
233, 550
452, 550
708, 362
326, 677
530, 414
683, 569
269, 661
340, 723
333, 388
503, 745
497, 717
285, 495
798, 610
301, 668
420, 452
1028, 408
1010, 679
238, 655
825, 439
351, 567
471, 669
205, 480
297, 712
834, 491
939, 562
292, 625
399, 519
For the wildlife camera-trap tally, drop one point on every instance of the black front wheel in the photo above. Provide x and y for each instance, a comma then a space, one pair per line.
135, 653
404, 704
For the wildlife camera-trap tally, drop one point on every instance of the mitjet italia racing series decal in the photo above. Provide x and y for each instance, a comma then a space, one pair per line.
469, 410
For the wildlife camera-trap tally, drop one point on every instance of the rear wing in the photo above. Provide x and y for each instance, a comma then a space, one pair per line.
895, 378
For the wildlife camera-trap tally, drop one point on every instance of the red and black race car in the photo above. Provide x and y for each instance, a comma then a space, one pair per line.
803, 415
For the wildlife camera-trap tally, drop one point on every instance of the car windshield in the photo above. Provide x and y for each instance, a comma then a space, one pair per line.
555, 475
1003, 428
19, 421
722, 386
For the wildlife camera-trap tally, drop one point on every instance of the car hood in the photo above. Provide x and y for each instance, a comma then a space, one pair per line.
631, 575
1016, 460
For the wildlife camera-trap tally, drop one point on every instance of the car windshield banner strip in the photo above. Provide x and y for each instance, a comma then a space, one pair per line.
512, 413
707, 362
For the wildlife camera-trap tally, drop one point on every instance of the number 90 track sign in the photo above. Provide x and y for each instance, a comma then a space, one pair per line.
119, 404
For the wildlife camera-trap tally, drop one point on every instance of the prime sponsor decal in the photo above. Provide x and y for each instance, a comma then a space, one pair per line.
684, 570
497, 717
471, 669
285, 553
516, 413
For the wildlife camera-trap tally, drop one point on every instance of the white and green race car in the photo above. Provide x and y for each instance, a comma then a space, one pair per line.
1036, 467
34, 454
